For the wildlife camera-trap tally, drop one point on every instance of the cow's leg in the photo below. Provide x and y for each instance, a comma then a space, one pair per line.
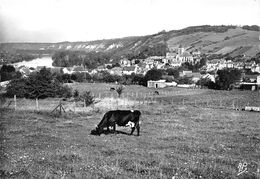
138, 128
133, 129
114, 127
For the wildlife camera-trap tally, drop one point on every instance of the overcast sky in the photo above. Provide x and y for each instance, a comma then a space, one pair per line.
84, 20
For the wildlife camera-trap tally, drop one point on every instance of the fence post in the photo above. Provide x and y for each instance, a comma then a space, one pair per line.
60, 107
233, 104
74, 106
183, 102
14, 102
37, 104
220, 103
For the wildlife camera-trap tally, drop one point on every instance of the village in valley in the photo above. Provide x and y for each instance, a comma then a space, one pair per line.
174, 59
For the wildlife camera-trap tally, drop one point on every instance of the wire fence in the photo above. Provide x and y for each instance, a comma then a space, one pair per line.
131, 100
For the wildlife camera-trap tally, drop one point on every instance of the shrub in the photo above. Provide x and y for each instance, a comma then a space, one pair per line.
75, 94
86, 97
120, 90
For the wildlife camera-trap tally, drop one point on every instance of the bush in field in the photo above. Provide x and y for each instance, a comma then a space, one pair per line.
75, 94
86, 97
119, 90
41, 84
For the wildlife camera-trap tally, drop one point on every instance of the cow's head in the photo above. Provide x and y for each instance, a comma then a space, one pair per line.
96, 131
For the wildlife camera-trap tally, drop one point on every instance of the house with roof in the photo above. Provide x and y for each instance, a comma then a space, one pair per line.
128, 70
209, 76
238, 65
218, 64
256, 68
116, 71
229, 64
125, 62
196, 53
249, 65
156, 84
176, 63
250, 82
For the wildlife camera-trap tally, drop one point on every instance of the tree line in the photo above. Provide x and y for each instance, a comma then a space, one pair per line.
92, 60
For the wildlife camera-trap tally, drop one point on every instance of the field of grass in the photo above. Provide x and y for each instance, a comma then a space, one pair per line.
177, 141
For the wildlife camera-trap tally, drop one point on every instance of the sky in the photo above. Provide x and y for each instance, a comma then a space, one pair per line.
85, 20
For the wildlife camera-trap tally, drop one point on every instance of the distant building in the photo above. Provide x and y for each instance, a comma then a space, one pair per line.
253, 83
156, 84
185, 57
116, 71
125, 62
128, 70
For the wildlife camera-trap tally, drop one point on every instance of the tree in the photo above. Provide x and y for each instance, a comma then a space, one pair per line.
66, 78
7, 72
38, 85
173, 72
206, 82
227, 77
153, 74
185, 80
78, 77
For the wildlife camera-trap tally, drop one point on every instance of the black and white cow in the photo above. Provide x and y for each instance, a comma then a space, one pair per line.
127, 118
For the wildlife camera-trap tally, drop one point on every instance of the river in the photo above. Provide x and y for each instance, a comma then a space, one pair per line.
44, 61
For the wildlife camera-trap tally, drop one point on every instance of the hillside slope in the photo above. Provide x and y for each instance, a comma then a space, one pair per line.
209, 39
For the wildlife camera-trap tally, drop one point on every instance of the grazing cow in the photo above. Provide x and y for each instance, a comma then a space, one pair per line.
156, 92
112, 89
127, 118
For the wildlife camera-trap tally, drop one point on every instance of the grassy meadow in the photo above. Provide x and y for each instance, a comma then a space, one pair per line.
185, 133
